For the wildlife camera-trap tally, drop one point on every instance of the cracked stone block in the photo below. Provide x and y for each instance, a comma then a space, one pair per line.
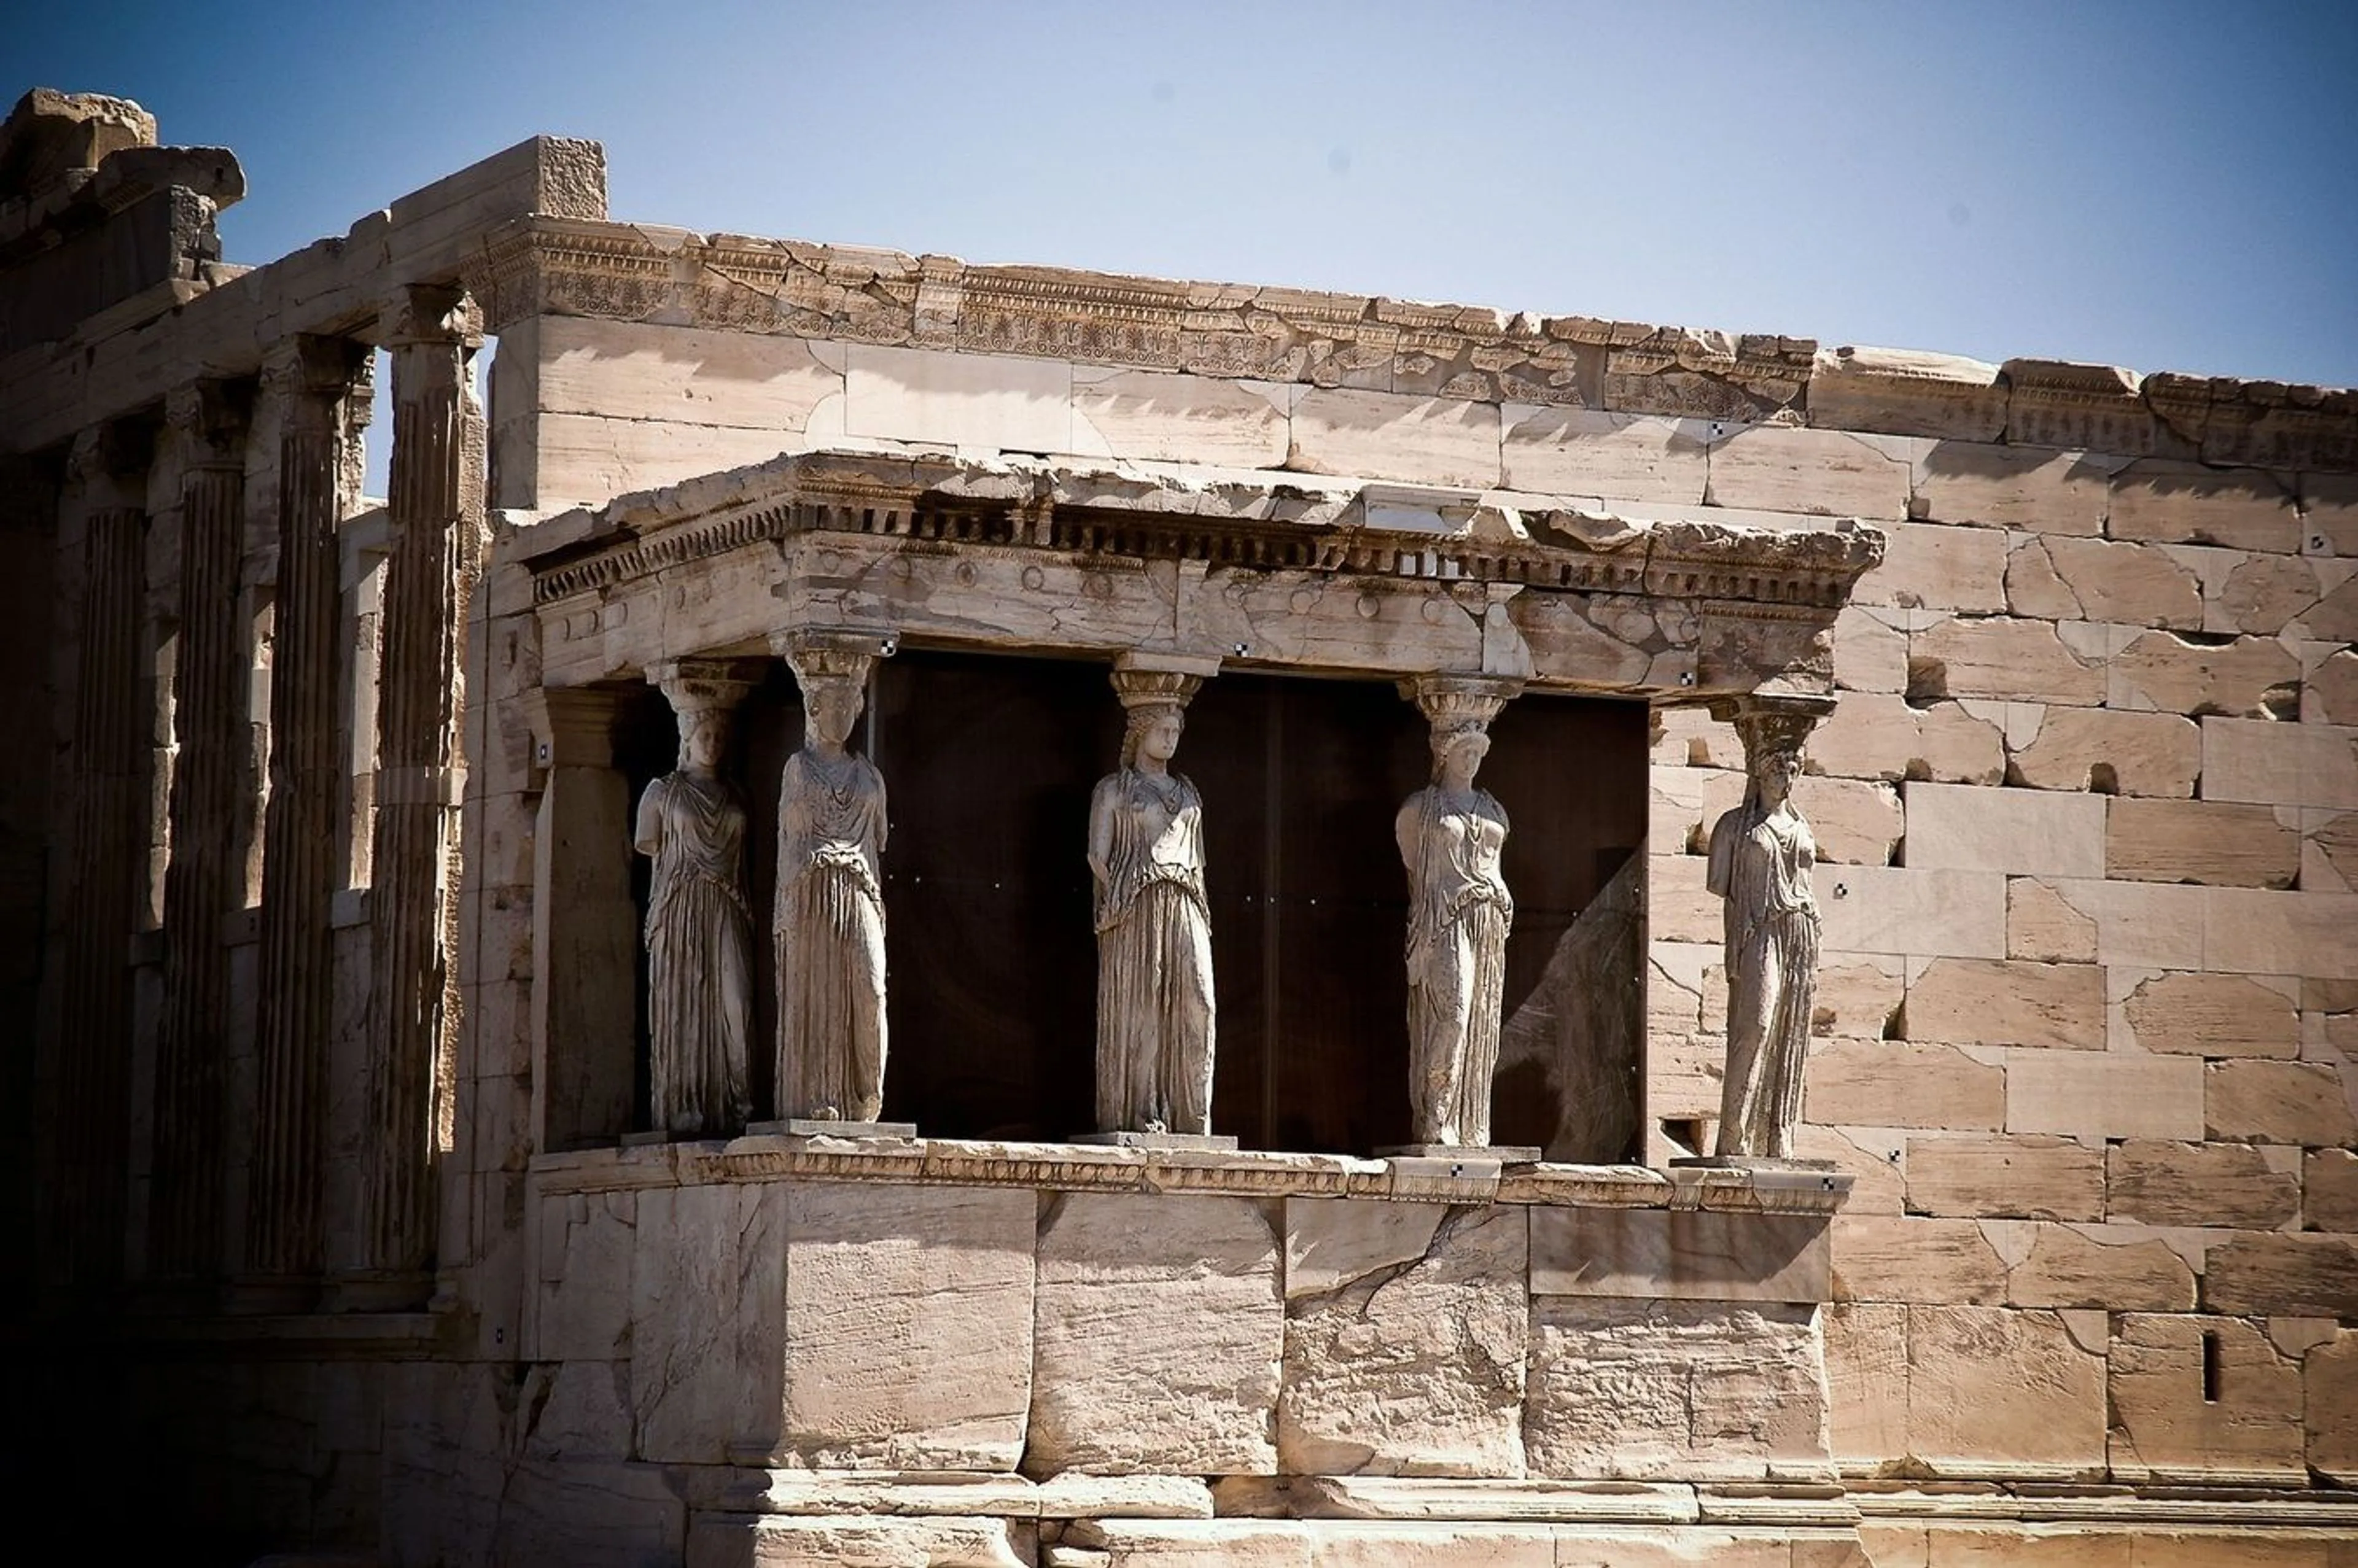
1827, 472
2171, 502
1697, 1390
1679, 1254
2021, 832
2199, 1183
2068, 1267
908, 1326
707, 1305
2196, 1014
2297, 1275
1927, 566
1159, 1335
1405, 1339
2056, 578
2012, 487
1996, 1391
2277, 1102
2004, 1177
1882, 1258
586, 1241
869, 1541
2041, 926
2117, 753
2281, 765
1995, 1001
2203, 1399
2329, 1381
2251, 677
1892, 1083
2021, 661
1873, 736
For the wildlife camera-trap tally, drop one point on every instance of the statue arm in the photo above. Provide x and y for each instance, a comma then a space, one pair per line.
1720, 869
647, 836
884, 815
1101, 810
1407, 829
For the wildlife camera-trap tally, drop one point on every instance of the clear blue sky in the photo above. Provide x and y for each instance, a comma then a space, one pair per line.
2160, 185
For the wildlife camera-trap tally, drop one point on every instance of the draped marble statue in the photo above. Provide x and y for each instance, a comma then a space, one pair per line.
1451, 835
1154, 930
828, 917
1761, 857
699, 925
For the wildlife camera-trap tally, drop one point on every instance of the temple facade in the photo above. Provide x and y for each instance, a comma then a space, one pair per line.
895, 911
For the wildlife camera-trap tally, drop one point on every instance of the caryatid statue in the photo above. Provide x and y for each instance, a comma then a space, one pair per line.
1451, 835
1762, 859
700, 929
828, 918
1154, 930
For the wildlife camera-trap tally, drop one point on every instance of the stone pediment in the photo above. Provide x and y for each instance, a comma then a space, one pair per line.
1310, 571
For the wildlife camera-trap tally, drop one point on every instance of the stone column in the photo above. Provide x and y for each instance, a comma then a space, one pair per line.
319, 383
585, 927
94, 1042
202, 879
436, 521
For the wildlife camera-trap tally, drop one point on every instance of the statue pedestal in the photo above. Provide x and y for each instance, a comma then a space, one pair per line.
1211, 1143
1767, 1175
1751, 1162
814, 1127
1493, 1153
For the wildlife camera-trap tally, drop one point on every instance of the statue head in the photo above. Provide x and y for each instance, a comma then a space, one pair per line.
831, 706
1457, 752
703, 736
1772, 754
1151, 730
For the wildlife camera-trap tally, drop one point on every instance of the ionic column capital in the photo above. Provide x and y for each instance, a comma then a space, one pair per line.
700, 686
1460, 701
309, 374
210, 416
1144, 675
109, 462
818, 653
430, 315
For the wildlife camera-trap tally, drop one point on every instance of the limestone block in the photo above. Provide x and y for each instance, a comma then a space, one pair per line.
1678, 1254
1370, 1543
1691, 736
2330, 1384
2204, 1399
2282, 764
586, 1240
2261, 593
2198, 1183
2277, 1102
2190, 504
599, 1513
1674, 807
1873, 736
1856, 998
584, 459
1995, 1001
868, 1540
1384, 435
2329, 1194
908, 1326
2012, 487
2104, 1094
1929, 566
2066, 1266
1830, 474
1162, 417
708, 1300
989, 402
1405, 1335
2039, 925
1879, 1258
2021, 1178
2209, 841
2300, 1275
1907, 393
1679, 908
1554, 450
2054, 578
1854, 821
1867, 1380
2251, 677
1669, 1547
2097, 748
1693, 1391
1887, 1083
2330, 852
2001, 1390
1870, 653
2329, 695
2146, 925
587, 1415
1161, 1332
629, 370
1998, 656
2264, 931
2025, 832
1195, 1543
1871, 1160
2213, 1015
1893, 909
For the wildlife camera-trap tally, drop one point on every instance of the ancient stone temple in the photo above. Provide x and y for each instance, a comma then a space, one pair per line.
902, 913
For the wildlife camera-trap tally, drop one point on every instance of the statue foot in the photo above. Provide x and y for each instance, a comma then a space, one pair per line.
826, 1113
1153, 1124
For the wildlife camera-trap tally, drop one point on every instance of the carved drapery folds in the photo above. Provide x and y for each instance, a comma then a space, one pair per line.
435, 520
699, 927
1450, 835
1761, 860
202, 881
829, 917
320, 385
1154, 930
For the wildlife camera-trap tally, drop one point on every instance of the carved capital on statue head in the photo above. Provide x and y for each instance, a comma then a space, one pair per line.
1149, 679
1456, 705
1772, 725
704, 686
816, 653
211, 417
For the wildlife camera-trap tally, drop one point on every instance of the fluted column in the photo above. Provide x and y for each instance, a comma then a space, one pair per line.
93, 1040
319, 384
434, 519
203, 875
